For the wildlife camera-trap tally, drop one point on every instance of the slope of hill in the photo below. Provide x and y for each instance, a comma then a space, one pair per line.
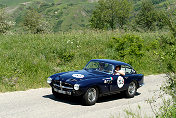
64, 15
13, 3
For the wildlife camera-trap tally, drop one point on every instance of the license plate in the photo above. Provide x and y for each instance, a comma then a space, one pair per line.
63, 92
60, 91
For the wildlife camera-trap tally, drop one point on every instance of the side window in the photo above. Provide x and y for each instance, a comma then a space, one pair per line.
128, 70
123, 67
108, 68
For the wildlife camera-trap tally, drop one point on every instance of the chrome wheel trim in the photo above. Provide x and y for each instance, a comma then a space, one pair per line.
92, 93
132, 88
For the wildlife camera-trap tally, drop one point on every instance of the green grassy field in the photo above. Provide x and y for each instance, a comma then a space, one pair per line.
27, 60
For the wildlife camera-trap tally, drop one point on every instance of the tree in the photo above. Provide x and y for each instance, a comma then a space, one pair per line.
97, 20
124, 9
168, 18
147, 16
110, 14
35, 23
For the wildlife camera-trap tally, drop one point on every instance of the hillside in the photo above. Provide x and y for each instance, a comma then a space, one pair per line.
64, 15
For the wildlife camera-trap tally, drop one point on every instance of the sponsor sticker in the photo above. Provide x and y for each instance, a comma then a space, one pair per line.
105, 81
111, 78
78, 75
108, 80
120, 81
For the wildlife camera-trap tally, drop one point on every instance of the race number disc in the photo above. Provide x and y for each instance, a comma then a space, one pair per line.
78, 76
120, 81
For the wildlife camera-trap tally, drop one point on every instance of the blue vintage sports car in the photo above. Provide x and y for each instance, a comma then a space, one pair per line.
97, 79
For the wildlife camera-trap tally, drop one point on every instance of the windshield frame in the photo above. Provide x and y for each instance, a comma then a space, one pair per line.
97, 69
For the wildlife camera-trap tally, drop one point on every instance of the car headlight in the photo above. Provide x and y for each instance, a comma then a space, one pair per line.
76, 86
49, 80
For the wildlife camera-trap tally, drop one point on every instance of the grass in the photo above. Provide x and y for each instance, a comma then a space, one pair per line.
27, 60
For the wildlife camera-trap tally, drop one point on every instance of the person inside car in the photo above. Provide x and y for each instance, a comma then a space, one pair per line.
101, 66
118, 71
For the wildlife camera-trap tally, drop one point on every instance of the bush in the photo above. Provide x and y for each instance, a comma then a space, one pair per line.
35, 23
127, 47
168, 109
168, 52
5, 25
168, 56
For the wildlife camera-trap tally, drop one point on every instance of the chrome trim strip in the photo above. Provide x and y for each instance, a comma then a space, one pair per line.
63, 87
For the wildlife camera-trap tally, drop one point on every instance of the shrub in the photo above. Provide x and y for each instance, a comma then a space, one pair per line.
5, 25
168, 56
35, 23
128, 45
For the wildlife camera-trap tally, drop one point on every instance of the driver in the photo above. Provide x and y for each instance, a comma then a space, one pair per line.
118, 71
101, 68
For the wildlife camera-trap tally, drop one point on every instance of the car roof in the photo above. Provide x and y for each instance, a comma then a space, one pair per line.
114, 62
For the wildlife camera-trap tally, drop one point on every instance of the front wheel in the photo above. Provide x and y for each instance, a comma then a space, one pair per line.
56, 95
131, 91
90, 97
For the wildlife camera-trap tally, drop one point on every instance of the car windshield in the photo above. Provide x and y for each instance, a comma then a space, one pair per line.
100, 66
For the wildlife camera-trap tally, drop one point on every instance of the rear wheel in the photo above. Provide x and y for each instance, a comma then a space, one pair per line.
131, 91
90, 97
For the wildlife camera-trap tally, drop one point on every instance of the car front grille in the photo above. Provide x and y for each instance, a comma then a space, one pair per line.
62, 85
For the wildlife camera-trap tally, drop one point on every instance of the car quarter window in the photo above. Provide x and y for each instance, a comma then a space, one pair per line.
123, 67
127, 69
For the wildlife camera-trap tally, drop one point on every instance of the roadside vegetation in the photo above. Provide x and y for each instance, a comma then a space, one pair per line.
27, 60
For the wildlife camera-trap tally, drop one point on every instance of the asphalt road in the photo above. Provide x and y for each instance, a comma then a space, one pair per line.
40, 103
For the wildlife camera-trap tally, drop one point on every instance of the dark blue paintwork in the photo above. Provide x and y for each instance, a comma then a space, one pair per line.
96, 79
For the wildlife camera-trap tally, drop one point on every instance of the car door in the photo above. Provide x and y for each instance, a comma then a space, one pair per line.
106, 84
118, 81
106, 81
129, 74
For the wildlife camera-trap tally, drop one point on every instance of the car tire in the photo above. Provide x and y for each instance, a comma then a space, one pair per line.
56, 95
90, 97
131, 91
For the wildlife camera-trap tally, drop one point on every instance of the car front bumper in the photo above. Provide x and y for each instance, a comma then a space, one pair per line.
66, 90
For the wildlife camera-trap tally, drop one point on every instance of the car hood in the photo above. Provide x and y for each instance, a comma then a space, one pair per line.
79, 75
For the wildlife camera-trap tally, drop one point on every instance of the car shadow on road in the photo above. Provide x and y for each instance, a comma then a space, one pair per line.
78, 101
65, 99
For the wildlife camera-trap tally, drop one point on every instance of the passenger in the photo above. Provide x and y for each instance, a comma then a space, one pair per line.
118, 71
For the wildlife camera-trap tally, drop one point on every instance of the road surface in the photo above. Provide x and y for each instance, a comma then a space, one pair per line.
40, 103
